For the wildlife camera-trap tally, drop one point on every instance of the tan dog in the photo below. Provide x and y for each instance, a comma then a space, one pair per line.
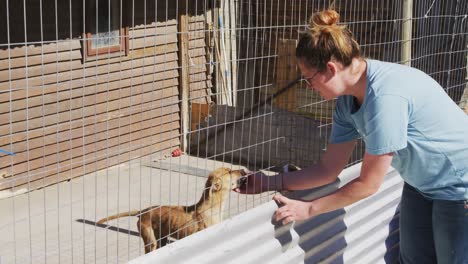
157, 223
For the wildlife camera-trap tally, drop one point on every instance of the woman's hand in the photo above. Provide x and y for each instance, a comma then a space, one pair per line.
257, 183
292, 210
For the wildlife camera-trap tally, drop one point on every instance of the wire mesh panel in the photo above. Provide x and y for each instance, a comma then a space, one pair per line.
115, 106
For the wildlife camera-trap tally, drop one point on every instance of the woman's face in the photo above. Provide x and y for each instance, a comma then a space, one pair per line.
325, 83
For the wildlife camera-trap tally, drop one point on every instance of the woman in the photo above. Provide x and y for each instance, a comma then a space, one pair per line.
406, 120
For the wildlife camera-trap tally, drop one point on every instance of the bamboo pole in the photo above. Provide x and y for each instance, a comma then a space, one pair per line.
407, 32
184, 74
464, 99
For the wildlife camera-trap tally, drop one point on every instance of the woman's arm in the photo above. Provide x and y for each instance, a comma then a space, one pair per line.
326, 171
373, 171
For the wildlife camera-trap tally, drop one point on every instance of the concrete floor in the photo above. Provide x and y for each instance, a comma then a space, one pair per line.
56, 224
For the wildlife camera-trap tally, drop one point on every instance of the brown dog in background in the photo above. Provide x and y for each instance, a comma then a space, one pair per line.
157, 223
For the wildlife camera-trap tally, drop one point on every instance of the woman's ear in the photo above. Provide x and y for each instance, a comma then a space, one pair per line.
332, 67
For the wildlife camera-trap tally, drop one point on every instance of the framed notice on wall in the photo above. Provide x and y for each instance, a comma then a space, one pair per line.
105, 28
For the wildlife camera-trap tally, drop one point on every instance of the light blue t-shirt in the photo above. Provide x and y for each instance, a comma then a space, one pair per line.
407, 113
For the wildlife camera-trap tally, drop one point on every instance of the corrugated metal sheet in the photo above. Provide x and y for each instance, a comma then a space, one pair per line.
365, 232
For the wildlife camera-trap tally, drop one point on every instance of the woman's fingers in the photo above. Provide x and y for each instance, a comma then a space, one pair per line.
281, 199
284, 212
285, 216
287, 220
291, 210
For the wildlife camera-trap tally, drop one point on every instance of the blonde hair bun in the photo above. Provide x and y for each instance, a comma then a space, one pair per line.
325, 39
324, 18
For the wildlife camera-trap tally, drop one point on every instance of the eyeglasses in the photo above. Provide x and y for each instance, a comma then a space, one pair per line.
308, 80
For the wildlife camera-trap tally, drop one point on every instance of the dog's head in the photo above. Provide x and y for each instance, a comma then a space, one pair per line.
224, 179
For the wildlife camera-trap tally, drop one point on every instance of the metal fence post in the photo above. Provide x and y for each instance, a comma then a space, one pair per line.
407, 32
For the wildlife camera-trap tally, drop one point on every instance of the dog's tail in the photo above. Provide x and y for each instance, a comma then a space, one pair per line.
112, 217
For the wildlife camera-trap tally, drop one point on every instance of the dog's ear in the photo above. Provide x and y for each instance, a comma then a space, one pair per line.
216, 185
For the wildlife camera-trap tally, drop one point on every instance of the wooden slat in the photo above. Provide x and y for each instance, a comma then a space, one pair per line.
72, 105
62, 141
101, 113
75, 55
152, 31
196, 19
46, 69
63, 132
151, 51
89, 72
199, 68
198, 77
77, 86
50, 137
51, 96
197, 35
61, 46
96, 148
56, 127
89, 78
197, 25
63, 172
40, 59
199, 96
168, 23
51, 163
199, 53
198, 43
75, 69
200, 86
138, 43
54, 57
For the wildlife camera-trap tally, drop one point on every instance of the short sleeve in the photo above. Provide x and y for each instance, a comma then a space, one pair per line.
386, 124
343, 129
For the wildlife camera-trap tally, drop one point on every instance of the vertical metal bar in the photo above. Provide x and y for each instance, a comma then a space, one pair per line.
83, 197
161, 112
130, 141
250, 23
264, 81
43, 127
166, 4
270, 85
152, 93
407, 31
70, 131
121, 25
141, 110
96, 13
109, 16
11, 122
185, 82
27, 128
